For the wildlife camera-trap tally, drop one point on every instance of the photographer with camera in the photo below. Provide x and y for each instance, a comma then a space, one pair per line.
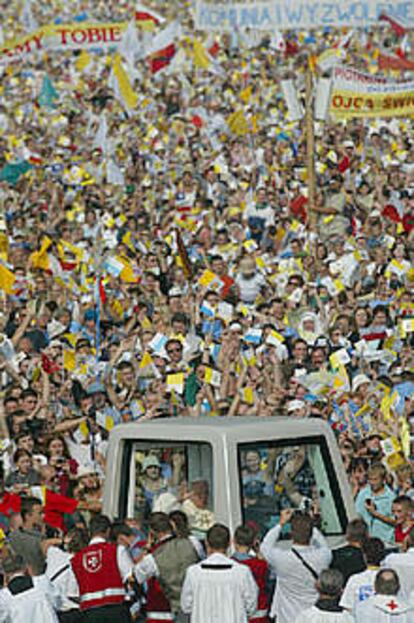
296, 568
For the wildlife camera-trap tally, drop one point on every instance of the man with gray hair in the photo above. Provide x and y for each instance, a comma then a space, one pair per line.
385, 606
26, 598
327, 609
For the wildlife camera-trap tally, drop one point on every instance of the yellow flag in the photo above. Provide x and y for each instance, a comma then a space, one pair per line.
246, 94
248, 395
40, 259
127, 241
200, 56
4, 246
71, 338
237, 123
69, 360
77, 251
83, 60
7, 279
126, 91
146, 360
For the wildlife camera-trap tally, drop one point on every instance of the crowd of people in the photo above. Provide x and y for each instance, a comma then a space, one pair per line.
115, 572
165, 261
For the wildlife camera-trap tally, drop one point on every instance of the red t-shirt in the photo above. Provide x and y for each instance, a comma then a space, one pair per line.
10, 503
400, 535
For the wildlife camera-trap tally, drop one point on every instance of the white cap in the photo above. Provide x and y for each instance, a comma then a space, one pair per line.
358, 380
293, 405
175, 291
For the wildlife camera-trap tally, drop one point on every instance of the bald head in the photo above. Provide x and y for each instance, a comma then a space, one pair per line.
387, 582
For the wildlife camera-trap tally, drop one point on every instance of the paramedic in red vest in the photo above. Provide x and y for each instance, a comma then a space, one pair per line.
101, 570
243, 543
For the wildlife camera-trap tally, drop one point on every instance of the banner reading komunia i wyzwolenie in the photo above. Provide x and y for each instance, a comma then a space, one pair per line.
351, 93
294, 14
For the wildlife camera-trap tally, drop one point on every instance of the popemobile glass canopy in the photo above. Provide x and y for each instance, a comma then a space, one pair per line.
230, 470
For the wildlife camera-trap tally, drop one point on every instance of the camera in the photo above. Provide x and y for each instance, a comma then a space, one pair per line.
305, 506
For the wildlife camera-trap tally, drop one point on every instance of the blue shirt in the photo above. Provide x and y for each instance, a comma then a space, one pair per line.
383, 503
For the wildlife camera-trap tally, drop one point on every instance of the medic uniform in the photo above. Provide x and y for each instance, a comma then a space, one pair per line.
101, 585
260, 571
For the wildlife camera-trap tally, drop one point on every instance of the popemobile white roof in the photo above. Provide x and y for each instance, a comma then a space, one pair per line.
236, 428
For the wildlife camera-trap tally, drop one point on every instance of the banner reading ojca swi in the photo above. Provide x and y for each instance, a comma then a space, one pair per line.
349, 99
294, 14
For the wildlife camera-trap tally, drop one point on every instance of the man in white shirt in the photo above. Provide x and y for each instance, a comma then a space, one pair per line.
385, 606
327, 608
296, 568
60, 574
360, 586
219, 589
26, 599
403, 564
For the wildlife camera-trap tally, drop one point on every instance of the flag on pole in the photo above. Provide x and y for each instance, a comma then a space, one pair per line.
182, 252
83, 60
163, 47
7, 279
238, 123
212, 45
123, 87
114, 174
101, 137
130, 47
277, 41
200, 55
295, 108
398, 24
147, 18
394, 63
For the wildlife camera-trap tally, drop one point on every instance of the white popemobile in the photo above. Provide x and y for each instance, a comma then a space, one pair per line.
229, 470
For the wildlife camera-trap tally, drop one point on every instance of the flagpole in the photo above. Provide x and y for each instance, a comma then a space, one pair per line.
310, 152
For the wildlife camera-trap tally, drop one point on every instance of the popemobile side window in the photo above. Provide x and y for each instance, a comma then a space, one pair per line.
275, 476
171, 475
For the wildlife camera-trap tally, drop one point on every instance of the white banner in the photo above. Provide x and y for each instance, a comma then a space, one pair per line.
298, 14
290, 93
323, 92
358, 78
354, 95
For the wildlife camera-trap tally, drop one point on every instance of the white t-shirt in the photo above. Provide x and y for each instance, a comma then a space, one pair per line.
250, 288
315, 615
358, 588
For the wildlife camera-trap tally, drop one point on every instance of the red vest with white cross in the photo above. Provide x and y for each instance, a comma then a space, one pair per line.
98, 576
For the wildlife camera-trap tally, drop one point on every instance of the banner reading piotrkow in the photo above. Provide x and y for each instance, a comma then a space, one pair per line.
356, 98
294, 14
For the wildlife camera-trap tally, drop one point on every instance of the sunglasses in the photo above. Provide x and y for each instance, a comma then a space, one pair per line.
174, 350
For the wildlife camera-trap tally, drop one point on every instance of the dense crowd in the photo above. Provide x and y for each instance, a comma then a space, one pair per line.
165, 261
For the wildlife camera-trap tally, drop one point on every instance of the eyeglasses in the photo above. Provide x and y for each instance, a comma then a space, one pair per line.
174, 350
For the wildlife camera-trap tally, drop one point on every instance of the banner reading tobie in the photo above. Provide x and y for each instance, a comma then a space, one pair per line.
352, 98
298, 14
82, 36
